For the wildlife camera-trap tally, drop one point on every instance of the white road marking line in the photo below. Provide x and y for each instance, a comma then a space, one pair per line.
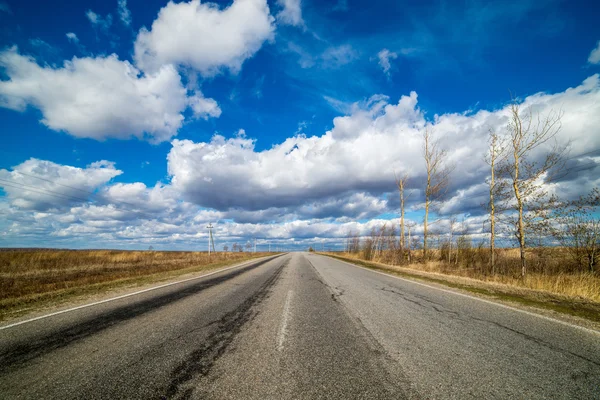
588, 330
284, 321
122, 296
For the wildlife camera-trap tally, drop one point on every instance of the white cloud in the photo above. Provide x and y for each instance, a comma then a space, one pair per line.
203, 107
204, 37
384, 60
158, 198
297, 192
124, 13
72, 37
59, 186
362, 152
100, 97
594, 57
291, 13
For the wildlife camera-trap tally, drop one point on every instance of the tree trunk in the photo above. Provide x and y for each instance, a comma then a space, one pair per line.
521, 229
425, 229
492, 217
402, 243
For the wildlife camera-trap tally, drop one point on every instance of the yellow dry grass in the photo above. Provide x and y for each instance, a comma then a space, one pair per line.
574, 285
29, 277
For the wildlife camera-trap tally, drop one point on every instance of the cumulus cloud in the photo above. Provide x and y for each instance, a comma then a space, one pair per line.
40, 185
385, 56
124, 13
291, 12
101, 97
361, 152
594, 57
301, 191
204, 37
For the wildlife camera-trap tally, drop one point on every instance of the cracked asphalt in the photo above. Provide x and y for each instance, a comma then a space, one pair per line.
298, 326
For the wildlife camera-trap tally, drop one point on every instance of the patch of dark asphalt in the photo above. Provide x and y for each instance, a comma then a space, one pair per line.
336, 292
200, 362
13, 357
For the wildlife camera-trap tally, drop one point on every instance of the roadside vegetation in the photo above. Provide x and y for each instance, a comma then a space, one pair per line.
525, 236
30, 279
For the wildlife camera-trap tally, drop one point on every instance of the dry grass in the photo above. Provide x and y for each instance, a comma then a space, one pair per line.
29, 278
547, 273
572, 294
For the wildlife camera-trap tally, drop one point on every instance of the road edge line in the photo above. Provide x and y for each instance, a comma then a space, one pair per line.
583, 328
126, 295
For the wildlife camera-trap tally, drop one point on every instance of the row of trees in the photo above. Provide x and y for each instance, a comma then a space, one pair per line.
522, 161
237, 247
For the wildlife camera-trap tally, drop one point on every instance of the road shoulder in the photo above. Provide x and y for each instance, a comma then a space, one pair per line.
576, 312
114, 290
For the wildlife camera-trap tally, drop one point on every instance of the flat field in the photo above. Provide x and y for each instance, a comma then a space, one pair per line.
31, 279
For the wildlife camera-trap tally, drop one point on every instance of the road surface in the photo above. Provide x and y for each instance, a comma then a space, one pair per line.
299, 326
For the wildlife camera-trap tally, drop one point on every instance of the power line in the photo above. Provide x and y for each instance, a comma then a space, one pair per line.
48, 192
53, 182
40, 190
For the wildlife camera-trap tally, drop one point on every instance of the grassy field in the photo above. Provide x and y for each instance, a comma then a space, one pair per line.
575, 294
31, 279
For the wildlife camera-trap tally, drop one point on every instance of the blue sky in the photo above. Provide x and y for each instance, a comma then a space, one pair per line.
276, 121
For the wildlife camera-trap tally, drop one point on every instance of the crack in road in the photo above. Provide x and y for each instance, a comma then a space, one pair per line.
336, 291
201, 361
431, 304
537, 340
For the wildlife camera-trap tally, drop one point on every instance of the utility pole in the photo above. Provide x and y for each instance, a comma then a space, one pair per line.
255, 245
211, 242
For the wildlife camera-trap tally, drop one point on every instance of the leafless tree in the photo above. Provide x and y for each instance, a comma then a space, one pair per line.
401, 184
577, 228
353, 241
225, 248
524, 174
496, 154
451, 239
409, 247
438, 176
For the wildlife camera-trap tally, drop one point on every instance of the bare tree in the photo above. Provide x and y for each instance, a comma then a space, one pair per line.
496, 154
526, 134
353, 241
409, 226
451, 239
401, 183
438, 176
578, 229
225, 248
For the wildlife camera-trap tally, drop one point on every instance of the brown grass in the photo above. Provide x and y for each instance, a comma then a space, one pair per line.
545, 272
576, 293
31, 278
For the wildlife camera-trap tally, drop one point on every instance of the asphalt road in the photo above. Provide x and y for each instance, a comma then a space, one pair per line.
294, 327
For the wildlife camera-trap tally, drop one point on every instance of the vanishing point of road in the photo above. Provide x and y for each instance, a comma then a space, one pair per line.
298, 326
